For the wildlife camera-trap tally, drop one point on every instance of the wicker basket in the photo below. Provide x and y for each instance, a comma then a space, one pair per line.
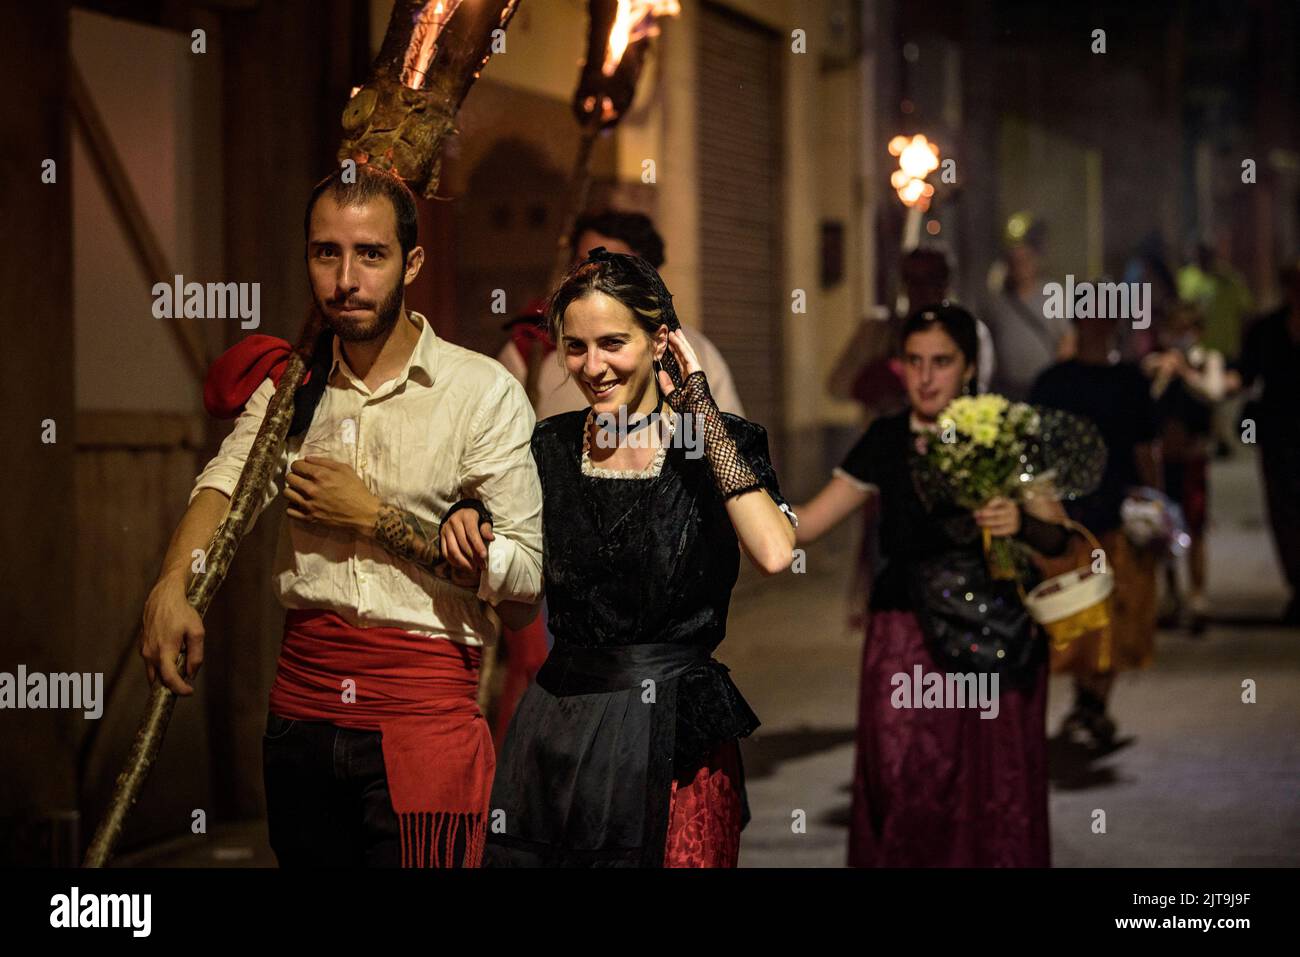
1075, 603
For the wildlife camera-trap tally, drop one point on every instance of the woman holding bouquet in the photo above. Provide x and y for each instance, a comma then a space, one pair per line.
937, 786
624, 751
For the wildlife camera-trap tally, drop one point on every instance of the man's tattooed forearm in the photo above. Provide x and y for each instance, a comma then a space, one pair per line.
404, 535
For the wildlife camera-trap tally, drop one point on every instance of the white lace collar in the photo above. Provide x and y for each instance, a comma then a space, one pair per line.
916, 425
650, 471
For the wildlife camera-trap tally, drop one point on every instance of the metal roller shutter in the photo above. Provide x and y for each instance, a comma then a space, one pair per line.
739, 154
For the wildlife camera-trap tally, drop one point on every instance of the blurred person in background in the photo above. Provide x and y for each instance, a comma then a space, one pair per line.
1270, 363
1223, 298
1116, 396
1220, 292
1025, 339
1187, 380
1149, 264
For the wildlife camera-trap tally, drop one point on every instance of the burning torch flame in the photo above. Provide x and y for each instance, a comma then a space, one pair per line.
432, 18
634, 21
917, 158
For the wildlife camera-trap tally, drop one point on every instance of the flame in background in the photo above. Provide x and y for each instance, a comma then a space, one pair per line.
635, 20
433, 16
917, 159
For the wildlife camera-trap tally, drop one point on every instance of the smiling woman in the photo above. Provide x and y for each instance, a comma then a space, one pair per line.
609, 356
640, 554
985, 767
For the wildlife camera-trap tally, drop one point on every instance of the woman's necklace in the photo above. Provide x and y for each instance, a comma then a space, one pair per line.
667, 425
614, 430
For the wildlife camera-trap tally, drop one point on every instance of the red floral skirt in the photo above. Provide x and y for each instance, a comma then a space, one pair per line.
526, 652
705, 815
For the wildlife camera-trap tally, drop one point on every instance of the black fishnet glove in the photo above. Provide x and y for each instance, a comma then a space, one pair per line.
731, 473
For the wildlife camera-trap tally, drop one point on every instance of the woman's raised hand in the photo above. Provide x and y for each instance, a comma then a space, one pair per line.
687, 361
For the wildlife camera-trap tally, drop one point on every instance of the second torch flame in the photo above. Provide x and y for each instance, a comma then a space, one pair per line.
635, 20
917, 159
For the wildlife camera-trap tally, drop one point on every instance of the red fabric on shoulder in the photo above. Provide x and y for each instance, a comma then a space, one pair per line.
524, 333
237, 372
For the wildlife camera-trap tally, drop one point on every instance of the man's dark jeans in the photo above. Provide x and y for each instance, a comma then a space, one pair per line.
327, 801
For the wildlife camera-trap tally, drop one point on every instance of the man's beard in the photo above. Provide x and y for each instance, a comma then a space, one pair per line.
350, 330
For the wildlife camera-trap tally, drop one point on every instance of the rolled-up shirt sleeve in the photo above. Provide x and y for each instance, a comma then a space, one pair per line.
500, 472
222, 473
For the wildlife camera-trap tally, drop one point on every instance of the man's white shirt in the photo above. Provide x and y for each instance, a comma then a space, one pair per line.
452, 424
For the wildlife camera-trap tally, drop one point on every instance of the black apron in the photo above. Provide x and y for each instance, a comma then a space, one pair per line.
598, 728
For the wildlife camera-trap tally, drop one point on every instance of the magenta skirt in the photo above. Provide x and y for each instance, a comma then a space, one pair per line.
943, 787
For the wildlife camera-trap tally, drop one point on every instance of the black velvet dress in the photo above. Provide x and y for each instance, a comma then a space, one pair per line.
639, 573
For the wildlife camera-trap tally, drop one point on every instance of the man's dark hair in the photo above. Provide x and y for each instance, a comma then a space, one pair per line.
370, 182
927, 258
635, 229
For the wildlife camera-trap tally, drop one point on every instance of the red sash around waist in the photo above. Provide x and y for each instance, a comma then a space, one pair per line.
420, 694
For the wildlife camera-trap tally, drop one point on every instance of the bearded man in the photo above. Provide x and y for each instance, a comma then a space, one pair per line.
413, 529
